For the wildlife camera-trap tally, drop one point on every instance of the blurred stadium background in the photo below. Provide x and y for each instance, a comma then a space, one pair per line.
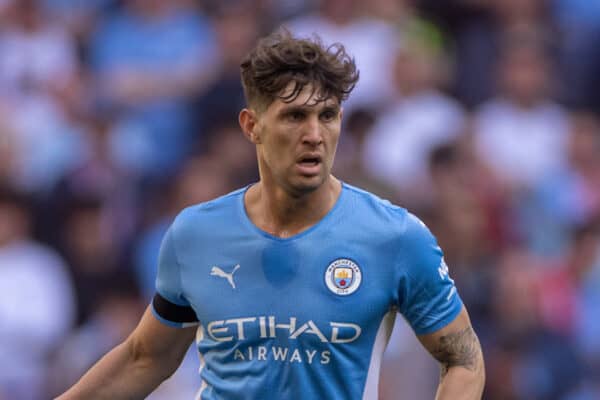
481, 116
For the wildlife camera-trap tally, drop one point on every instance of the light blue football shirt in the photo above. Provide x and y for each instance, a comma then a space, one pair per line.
307, 316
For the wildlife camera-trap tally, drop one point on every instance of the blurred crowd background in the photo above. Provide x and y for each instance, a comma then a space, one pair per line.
480, 116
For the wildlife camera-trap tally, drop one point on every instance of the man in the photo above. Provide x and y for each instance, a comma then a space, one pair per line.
34, 283
295, 280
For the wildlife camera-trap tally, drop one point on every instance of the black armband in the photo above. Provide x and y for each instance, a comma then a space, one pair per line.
173, 313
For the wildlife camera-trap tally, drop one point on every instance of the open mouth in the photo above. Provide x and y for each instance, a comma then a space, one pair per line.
309, 164
309, 161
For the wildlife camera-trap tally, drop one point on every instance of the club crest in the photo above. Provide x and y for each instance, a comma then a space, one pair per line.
343, 277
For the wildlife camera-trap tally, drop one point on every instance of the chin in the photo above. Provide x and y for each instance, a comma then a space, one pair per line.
307, 184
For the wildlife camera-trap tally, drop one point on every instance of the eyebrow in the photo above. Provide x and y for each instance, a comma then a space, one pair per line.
307, 108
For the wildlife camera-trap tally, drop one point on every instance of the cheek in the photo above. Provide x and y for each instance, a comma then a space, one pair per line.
280, 147
333, 136
277, 150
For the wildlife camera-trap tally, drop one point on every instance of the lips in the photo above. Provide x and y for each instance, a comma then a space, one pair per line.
309, 163
309, 157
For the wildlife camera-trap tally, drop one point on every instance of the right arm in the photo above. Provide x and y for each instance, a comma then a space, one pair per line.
133, 369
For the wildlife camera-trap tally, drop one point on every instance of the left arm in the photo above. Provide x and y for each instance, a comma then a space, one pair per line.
457, 349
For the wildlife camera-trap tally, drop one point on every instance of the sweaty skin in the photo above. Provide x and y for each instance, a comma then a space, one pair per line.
457, 348
295, 146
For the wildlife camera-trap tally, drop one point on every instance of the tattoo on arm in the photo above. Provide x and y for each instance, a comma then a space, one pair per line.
460, 348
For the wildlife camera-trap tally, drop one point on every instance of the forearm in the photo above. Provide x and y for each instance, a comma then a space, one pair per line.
460, 383
462, 366
120, 374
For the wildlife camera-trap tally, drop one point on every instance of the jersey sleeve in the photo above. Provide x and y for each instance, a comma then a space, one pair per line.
169, 304
427, 294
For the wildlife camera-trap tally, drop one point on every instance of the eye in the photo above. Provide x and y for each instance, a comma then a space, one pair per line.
328, 115
295, 116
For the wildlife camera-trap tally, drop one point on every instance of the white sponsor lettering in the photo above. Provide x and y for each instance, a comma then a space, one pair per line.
309, 327
445, 274
262, 353
263, 327
212, 330
443, 271
335, 332
296, 356
238, 355
269, 327
281, 354
291, 327
240, 325
310, 355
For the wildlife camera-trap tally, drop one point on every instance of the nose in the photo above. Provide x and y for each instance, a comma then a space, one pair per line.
312, 132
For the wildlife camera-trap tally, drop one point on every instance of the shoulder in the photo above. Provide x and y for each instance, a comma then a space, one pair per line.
394, 222
366, 202
367, 197
393, 218
204, 216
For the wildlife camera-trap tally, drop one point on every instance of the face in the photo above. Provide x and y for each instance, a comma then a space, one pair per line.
524, 74
296, 142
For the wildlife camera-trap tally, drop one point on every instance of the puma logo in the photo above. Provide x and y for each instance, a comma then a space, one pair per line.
216, 271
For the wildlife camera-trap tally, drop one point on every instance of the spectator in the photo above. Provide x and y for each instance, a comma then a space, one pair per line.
93, 250
36, 59
420, 117
237, 26
37, 306
567, 197
149, 58
349, 165
36, 54
115, 316
371, 40
479, 29
465, 217
526, 360
522, 133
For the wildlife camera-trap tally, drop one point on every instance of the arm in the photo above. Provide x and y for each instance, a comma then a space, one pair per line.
457, 349
137, 366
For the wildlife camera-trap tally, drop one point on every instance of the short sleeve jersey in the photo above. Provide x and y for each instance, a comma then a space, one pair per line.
302, 317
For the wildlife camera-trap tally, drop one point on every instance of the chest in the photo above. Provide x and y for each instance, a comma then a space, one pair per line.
325, 290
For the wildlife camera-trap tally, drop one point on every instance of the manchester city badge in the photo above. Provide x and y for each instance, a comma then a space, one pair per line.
343, 277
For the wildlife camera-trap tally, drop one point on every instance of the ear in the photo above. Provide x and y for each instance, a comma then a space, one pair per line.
249, 124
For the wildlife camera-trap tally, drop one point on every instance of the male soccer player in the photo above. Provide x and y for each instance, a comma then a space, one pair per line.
290, 286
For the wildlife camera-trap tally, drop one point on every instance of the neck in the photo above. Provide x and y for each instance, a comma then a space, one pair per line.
283, 214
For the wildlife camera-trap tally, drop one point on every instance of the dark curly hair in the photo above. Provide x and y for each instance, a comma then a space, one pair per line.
280, 58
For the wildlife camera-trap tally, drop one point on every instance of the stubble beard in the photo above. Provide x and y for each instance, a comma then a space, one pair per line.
303, 185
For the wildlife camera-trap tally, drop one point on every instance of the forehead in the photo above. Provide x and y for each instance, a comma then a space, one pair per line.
310, 96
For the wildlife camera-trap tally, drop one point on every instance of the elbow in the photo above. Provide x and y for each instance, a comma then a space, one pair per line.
471, 375
145, 361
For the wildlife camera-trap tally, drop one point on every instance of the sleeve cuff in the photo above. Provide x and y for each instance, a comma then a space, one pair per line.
171, 314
